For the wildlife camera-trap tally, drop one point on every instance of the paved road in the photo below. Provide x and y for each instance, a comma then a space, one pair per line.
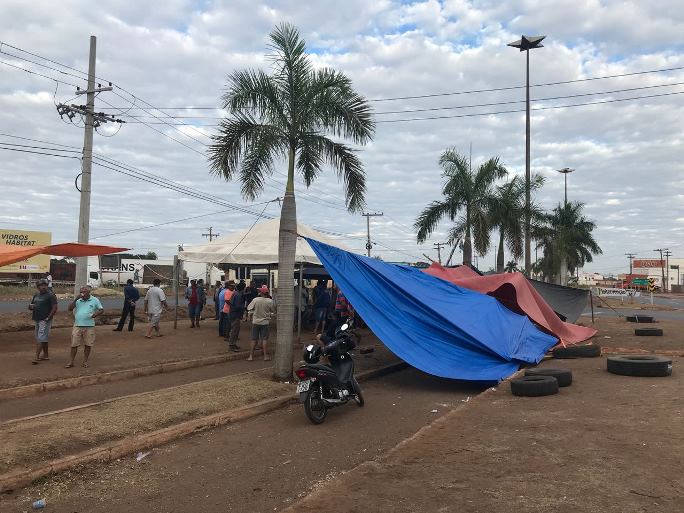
258, 465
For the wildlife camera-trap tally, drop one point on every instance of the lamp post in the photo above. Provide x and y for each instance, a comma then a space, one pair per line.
525, 44
565, 171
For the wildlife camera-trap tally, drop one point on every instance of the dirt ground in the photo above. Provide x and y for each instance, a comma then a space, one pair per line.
630, 304
608, 444
617, 333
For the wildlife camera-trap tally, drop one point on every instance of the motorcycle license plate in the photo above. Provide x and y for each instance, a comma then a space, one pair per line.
303, 386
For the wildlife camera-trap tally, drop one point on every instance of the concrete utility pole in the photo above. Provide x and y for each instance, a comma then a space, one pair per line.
86, 171
439, 245
662, 269
368, 215
667, 253
211, 235
631, 257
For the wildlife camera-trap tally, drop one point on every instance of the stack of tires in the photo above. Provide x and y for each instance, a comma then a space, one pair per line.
542, 381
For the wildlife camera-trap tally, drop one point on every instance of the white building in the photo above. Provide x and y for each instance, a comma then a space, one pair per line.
655, 268
588, 279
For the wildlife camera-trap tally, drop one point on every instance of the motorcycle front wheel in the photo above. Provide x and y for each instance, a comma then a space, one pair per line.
313, 406
358, 393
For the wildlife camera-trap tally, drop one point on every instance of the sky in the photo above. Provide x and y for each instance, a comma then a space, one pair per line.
165, 58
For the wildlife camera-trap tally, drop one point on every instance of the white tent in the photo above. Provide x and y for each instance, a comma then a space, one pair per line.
256, 246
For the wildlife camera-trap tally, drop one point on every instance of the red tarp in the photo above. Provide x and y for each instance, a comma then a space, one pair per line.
518, 294
12, 254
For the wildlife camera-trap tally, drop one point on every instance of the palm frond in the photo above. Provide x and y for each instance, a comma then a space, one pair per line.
432, 214
254, 92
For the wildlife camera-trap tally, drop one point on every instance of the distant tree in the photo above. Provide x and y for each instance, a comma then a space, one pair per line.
467, 196
151, 255
512, 267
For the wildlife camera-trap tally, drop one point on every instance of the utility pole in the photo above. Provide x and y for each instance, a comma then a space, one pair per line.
662, 269
211, 235
631, 257
667, 253
439, 245
91, 121
368, 215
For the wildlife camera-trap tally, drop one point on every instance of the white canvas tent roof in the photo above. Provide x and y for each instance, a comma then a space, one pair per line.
257, 246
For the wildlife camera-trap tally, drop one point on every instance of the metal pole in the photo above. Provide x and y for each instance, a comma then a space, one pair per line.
528, 246
566, 189
368, 242
591, 302
175, 291
86, 171
299, 302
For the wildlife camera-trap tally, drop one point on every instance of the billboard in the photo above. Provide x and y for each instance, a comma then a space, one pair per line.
23, 238
649, 263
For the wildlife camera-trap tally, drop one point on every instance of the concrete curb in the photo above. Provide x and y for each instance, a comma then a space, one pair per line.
116, 449
119, 375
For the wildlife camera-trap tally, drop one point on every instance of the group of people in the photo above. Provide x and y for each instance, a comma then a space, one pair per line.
86, 308
233, 303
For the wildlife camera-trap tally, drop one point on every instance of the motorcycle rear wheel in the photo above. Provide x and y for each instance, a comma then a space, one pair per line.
316, 416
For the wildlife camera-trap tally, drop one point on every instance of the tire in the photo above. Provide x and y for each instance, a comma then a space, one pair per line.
534, 386
639, 365
648, 332
360, 401
640, 318
584, 351
563, 376
316, 416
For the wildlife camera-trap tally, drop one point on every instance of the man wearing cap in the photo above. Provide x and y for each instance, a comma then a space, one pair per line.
43, 308
261, 309
85, 307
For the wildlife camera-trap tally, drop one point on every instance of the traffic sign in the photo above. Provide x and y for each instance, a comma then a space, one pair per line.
640, 281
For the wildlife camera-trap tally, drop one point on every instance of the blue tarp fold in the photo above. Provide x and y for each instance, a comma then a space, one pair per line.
435, 326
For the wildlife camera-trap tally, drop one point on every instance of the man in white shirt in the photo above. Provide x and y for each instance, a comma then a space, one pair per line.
261, 308
155, 303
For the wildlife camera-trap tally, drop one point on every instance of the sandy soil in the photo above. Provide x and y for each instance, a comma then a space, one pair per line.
617, 333
608, 444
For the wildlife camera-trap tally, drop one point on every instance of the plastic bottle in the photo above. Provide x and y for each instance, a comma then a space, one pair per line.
39, 504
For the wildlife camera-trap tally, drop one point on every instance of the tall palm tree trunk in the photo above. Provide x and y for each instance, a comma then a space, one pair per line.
563, 274
468, 248
287, 243
500, 254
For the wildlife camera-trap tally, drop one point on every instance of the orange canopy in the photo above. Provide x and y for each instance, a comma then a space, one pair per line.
11, 254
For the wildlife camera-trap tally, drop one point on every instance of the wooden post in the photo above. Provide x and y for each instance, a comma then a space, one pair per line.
299, 302
591, 302
175, 291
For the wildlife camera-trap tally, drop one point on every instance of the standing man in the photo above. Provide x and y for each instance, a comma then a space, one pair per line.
224, 307
43, 307
155, 303
203, 303
261, 308
131, 296
237, 309
48, 277
343, 312
195, 296
217, 290
85, 307
321, 305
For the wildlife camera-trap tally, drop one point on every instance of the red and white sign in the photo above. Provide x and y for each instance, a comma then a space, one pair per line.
649, 264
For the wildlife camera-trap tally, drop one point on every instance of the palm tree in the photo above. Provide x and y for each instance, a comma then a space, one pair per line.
507, 213
566, 240
511, 267
467, 196
290, 113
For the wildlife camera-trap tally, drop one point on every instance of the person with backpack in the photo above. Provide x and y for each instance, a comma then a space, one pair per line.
237, 309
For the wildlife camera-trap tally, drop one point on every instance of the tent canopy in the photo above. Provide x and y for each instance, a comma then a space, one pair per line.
517, 292
258, 245
12, 254
436, 326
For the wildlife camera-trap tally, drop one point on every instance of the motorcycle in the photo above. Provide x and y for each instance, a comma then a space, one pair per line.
323, 386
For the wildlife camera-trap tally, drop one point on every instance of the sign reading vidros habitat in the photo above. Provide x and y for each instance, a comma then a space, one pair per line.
607, 292
25, 239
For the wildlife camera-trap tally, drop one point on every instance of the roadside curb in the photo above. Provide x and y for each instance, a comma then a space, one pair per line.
119, 375
421, 433
130, 444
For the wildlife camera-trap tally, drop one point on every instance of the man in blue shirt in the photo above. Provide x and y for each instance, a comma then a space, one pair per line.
131, 296
85, 308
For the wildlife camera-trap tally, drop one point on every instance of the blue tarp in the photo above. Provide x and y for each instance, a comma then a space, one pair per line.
435, 326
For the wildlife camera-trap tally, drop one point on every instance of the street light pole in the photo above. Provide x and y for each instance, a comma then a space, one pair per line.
525, 44
566, 171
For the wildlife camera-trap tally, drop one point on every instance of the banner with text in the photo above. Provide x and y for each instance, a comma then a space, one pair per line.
609, 292
26, 239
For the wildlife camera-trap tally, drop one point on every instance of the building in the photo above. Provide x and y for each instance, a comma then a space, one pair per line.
656, 268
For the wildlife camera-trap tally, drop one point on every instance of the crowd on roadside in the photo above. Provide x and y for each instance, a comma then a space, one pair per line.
233, 304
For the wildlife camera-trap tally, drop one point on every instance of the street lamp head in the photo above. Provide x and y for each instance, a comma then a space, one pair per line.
565, 170
528, 43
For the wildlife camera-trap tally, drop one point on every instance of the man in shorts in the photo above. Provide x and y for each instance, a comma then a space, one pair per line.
261, 308
43, 307
196, 297
155, 303
85, 307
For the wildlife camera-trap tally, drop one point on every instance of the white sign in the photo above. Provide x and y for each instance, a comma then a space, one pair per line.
606, 292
